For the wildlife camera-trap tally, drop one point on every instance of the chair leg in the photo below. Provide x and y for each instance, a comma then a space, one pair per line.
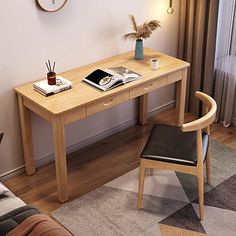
201, 194
208, 166
141, 185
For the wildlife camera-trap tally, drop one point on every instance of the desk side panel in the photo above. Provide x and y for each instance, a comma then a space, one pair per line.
38, 110
74, 115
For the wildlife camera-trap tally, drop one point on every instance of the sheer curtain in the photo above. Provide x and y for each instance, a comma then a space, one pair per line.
225, 61
197, 41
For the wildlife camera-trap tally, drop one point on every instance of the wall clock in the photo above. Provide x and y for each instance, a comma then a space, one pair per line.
51, 5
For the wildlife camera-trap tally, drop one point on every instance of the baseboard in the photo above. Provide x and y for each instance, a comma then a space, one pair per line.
9, 174
76, 146
162, 108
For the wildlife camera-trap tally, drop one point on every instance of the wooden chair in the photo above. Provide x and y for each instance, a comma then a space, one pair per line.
182, 149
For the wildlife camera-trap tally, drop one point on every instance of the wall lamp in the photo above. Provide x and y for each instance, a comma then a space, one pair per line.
170, 9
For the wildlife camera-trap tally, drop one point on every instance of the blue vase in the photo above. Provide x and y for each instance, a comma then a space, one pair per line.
139, 50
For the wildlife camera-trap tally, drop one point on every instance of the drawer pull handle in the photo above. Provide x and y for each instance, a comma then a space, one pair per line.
109, 102
148, 87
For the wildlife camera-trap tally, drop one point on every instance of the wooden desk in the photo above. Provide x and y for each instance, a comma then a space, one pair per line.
84, 100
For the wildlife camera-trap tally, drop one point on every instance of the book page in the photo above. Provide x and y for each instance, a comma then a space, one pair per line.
126, 74
104, 79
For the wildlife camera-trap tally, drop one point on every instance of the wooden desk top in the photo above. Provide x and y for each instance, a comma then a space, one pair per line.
83, 94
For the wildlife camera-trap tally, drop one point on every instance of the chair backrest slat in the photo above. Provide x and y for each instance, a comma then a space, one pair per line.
207, 119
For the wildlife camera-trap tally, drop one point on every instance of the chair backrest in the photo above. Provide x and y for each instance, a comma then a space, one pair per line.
1, 135
206, 120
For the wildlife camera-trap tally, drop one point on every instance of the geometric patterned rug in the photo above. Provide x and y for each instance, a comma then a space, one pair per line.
170, 203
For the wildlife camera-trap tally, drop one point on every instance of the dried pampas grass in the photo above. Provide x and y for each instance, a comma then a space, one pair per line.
143, 31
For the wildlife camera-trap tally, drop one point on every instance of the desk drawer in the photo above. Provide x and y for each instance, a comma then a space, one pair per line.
171, 78
107, 103
147, 87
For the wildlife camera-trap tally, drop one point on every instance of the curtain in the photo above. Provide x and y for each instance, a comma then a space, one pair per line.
197, 41
225, 62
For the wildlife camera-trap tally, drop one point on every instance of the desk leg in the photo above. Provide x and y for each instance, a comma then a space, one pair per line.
143, 104
26, 133
60, 159
180, 99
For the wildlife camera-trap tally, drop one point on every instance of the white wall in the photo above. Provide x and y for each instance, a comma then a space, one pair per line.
84, 31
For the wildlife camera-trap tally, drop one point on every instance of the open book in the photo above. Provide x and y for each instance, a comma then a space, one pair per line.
110, 78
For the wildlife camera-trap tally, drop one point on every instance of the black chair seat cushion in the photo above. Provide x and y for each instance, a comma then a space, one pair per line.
170, 144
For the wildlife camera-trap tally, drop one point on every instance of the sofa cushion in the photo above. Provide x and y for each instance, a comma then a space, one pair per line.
13, 218
8, 201
39, 225
10, 204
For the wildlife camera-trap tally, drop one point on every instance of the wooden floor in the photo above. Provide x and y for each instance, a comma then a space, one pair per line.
98, 164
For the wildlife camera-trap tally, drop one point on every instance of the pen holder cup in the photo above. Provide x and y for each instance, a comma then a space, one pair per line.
51, 76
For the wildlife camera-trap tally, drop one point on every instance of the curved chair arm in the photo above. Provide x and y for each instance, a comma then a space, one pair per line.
207, 119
